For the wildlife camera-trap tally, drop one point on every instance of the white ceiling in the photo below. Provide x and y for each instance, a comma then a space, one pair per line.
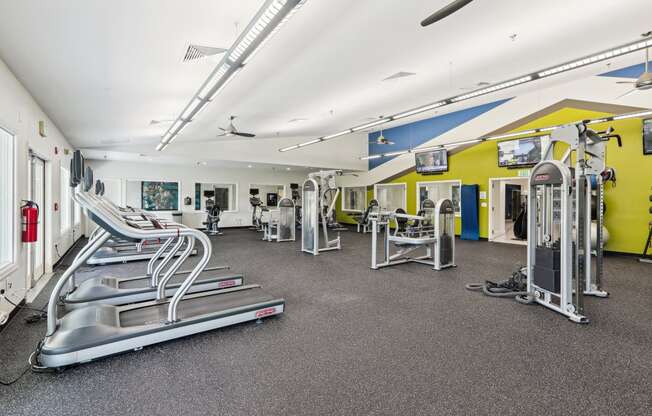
104, 69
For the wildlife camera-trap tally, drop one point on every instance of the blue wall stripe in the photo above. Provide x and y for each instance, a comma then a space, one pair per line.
633, 71
413, 134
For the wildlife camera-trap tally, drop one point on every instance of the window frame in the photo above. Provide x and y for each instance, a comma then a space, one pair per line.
452, 182
233, 198
11, 265
364, 205
400, 184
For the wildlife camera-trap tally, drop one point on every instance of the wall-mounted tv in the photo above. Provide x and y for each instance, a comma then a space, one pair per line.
647, 136
432, 161
521, 152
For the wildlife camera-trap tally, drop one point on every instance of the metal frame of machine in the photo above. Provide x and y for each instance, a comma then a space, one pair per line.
560, 271
99, 329
319, 195
433, 230
280, 224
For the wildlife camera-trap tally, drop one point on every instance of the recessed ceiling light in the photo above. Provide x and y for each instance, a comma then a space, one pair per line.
296, 120
249, 166
287, 168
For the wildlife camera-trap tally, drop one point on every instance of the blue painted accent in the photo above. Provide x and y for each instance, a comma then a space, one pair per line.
470, 222
413, 134
633, 71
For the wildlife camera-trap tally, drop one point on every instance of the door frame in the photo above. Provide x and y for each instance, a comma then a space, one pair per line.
33, 281
490, 201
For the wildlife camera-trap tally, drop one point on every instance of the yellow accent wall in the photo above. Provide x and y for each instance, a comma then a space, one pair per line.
627, 203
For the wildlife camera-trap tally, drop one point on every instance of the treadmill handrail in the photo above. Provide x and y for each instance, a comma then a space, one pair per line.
115, 222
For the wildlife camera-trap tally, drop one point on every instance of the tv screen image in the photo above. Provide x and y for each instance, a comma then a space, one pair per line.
647, 136
432, 161
521, 152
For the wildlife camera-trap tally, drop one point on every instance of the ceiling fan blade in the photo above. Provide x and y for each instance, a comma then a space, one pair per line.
237, 133
222, 134
222, 129
625, 82
627, 93
445, 12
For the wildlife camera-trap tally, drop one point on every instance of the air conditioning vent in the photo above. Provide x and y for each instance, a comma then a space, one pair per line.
195, 52
398, 75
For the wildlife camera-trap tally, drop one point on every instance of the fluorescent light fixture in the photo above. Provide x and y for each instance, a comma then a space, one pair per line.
160, 146
213, 80
191, 109
418, 110
397, 153
285, 149
462, 143
370, 157
309, 143
597, 57
342, 133
265, 23
371, 124
633, 115
492, 88
538, 131
601, 56
224, 84
509, 135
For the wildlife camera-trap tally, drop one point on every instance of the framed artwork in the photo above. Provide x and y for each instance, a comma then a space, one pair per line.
160, 196
647, 137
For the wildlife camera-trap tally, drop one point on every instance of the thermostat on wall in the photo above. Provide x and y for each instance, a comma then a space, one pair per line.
41, 128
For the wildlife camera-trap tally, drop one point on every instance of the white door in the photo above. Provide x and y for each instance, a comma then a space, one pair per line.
36, 192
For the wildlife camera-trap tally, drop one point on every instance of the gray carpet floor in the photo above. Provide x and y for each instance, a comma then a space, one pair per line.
399, 341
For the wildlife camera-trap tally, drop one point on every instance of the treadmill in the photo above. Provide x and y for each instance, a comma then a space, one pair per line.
115, 290
125, 251
98, 330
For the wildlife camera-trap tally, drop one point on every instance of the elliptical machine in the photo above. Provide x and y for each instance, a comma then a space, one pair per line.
213, 212
256, 205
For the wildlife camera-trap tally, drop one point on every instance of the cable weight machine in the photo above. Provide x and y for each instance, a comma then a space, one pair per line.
559, 256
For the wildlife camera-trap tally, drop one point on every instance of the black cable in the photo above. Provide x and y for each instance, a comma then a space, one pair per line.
22, 373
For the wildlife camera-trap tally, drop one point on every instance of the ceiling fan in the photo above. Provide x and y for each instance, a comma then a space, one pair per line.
445, 12
381, 140
231, 130
644, 81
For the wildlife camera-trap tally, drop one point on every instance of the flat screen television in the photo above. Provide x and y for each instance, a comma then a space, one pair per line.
432, 161
647, 136
521, 152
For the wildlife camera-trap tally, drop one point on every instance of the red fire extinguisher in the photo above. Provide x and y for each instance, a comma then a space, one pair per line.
29, 211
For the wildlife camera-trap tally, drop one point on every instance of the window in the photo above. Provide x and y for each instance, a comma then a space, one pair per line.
7, 191
65, 201
354, 198
222, 195
391, 196
268, 194
437, 190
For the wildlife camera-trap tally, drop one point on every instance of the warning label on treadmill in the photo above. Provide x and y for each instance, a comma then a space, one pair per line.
226, 283
265, 312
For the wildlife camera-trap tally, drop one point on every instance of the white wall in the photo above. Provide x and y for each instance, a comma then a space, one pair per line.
115, 173
20, 114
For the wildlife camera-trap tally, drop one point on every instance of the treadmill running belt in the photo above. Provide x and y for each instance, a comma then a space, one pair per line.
193, 307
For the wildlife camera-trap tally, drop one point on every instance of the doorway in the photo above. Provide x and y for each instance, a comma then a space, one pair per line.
508, 204
36, 193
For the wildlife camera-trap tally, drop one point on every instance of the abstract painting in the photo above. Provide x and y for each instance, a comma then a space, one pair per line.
160, 196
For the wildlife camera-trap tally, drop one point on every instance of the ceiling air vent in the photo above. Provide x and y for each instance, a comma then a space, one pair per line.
399, 75
195, 52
